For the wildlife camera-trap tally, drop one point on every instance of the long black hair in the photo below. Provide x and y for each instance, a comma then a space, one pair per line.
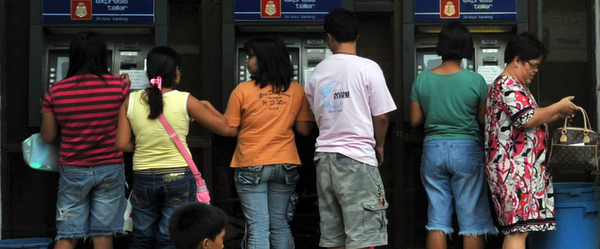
273, 59
87, 55
160, 62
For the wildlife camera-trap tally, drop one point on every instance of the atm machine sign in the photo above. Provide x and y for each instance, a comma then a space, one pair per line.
270, 8
81, 9
449, 9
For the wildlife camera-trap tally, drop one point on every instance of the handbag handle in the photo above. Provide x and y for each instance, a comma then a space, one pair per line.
586, 128
201, 191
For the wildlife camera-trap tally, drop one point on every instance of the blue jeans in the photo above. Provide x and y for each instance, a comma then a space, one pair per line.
154, 197
452, 172
265, 193
91, 201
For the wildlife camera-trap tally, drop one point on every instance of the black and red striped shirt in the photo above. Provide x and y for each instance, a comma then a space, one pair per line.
86, 108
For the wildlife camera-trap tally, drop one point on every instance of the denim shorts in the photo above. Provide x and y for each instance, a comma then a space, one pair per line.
452, 172
91, 201
352, 202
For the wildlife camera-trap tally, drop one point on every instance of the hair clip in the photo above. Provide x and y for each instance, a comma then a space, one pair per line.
157, 81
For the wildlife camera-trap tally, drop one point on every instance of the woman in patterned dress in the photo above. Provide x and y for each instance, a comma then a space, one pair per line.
515, 144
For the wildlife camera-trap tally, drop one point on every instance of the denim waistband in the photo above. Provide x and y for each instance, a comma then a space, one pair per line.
162, 171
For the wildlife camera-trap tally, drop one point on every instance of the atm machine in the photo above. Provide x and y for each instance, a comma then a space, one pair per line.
130, 28
491, 23
299, 24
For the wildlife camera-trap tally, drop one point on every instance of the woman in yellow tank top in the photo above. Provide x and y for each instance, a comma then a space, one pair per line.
162, 180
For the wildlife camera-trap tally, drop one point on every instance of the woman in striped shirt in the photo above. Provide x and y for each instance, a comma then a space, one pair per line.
83, 109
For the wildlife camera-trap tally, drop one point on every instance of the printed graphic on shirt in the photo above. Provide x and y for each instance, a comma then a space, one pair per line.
333, 95
273, 100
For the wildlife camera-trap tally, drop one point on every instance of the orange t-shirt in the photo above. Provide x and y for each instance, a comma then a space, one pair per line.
265, 120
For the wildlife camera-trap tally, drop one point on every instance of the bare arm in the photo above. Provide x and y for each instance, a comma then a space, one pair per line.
481, 113
380, 125
562, 108
416, 114
49, 129
123, 140
206, 115
303, 127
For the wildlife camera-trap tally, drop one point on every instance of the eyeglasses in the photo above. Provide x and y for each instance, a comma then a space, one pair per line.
533, 66
249, 56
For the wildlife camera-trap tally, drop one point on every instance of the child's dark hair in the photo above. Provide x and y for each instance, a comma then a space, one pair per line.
525, 45
455, 42
160, 62
193, 222
273, 59
87, 55
342, 24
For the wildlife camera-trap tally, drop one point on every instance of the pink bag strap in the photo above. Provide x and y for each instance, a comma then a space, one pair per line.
186, 155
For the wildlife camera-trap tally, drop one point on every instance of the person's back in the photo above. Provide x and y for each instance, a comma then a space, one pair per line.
350, 101
264, 111
88, 105
162, 179
154, 148
345, 92
83, 108
450, 103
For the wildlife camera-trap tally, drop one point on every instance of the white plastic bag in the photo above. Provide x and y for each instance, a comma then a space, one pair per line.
128, 225
40, 155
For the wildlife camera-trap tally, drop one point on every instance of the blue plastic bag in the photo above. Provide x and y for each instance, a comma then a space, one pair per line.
39, 154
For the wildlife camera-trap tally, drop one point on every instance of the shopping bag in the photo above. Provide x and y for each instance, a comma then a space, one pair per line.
39, 154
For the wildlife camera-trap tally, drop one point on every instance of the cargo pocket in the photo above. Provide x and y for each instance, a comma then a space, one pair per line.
374, 215
248, 175
291, 174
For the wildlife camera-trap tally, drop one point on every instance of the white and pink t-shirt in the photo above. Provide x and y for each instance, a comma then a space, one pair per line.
345, 92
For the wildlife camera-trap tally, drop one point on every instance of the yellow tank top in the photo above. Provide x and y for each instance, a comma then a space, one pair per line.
153, 147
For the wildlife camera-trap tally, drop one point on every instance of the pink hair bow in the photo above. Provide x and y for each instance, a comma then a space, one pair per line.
157, 81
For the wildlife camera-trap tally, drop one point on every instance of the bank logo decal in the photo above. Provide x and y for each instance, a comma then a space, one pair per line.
449, 9
81, 9
333, 95
270, 8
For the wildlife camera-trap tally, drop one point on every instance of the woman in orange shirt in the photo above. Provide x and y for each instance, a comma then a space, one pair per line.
264, 111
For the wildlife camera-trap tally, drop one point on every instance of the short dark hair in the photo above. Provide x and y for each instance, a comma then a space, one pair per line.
161, 61
342, 24
273, 59
87, 55
455, 42
193, 222
525, 45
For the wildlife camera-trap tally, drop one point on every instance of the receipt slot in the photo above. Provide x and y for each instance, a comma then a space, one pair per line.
130, 29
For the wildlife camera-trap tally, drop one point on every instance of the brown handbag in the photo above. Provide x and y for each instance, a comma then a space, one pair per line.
574, 148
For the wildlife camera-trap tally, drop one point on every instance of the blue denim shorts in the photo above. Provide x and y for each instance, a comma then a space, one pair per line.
352, 202
452, 172
91, 201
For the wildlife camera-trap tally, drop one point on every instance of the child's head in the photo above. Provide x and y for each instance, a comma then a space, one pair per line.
87, 55
162, 64
197, 225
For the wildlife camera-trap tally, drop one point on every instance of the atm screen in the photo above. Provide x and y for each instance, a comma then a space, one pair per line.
428, 59
58, 64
